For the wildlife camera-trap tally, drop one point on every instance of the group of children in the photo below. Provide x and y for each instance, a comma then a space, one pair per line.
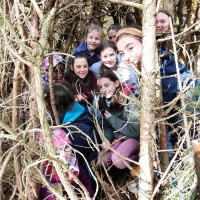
105, 72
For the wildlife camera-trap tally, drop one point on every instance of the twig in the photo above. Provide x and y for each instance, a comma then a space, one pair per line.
172, 161
8, 157
110, 181
52, 98
179, 80
39, 12
128, 3
103, 184
185, 31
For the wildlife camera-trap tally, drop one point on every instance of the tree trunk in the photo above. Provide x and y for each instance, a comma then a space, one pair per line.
196, 150
1, 162
15, 110
31, 186
15, 125
147, 113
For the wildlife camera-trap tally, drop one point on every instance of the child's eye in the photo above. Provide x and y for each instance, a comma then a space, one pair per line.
121, 54
131, 48
57, 72
78, 66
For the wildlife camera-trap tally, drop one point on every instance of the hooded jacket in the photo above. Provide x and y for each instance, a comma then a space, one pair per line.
88, 86
123, 122
170, 86
169, 81
80, 120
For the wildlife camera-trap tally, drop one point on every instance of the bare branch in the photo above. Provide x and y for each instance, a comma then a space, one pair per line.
39, 12
128, 3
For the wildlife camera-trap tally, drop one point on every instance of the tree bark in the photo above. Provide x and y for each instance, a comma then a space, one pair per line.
15, 125
31, 186
147, 113
1, 156
15, 111
196, 150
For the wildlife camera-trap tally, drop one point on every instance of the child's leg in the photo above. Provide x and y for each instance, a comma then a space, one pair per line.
129, 149
106, 159
85, 179
45, 193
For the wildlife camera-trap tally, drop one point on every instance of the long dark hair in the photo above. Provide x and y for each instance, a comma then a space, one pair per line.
115, 27
71, 77
116, 102
104, 45
168, 43
63, 96
166, 12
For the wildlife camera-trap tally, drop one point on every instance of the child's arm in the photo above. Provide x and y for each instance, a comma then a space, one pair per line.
80, 97
108, 131
129, 126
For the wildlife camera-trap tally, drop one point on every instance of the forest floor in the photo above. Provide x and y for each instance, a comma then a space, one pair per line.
121, 178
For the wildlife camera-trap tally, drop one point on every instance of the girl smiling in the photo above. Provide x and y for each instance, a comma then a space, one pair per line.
82, 80
109, 59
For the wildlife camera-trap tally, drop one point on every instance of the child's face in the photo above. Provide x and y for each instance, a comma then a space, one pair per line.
65, 153
93, 40
162, 23
80, 67
58, 72
112, 35
109, 57
107, 87
130, 49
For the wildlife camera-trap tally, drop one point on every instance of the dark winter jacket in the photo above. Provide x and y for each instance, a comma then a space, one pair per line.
170, 86
169, 81
88, 86
124, 122
83, 48
82, 123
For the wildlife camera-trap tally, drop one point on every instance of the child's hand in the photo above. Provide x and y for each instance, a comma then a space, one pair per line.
105, 145
80, 97
107, 114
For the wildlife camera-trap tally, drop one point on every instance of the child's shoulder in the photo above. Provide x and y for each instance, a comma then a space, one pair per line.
82, 47
128, 89
96, 67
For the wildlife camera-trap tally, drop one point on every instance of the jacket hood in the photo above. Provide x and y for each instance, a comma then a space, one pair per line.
73, 114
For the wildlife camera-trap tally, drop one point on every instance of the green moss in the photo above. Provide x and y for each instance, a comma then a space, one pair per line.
194, 93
